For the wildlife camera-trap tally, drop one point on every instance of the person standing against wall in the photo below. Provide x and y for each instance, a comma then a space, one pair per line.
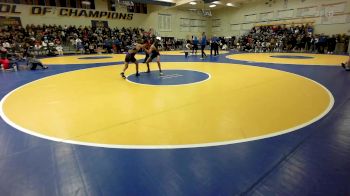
217, 45
212, 45
203, 44
195, 45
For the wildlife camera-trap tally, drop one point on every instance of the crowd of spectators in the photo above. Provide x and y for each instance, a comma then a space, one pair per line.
291, 39
20, 43
171, 43
50, 39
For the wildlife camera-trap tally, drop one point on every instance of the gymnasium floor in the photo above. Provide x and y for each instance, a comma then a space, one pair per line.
236, 124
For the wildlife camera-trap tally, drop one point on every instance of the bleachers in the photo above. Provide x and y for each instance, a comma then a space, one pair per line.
42, 40
291, 37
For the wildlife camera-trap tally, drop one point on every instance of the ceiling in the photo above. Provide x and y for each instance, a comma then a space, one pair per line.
200, 4
155, 2
204, 4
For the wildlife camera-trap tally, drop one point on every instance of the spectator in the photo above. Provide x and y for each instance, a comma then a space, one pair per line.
195, 45
188, 48
59, 49
203, 44
33, 63
331, 43
346, 65
6, 64
92, 48
3, 52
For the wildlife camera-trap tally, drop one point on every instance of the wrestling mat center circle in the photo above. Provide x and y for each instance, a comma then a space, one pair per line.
169, 77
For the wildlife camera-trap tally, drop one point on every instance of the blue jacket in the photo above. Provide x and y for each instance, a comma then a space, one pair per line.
195, 41
204, 40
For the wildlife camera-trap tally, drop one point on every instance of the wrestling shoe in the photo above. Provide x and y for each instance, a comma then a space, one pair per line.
122, 75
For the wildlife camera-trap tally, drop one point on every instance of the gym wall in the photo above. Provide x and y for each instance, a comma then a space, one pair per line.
328, 17
164, 20
172, 22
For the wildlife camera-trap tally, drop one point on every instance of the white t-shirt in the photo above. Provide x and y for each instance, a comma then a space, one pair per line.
6, 45
37, 46
59, 48
77, 41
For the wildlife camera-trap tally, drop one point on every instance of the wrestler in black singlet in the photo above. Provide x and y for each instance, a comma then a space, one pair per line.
155, 51
130, 56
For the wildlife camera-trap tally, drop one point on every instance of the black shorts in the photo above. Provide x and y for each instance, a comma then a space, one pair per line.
130, 58
154, 55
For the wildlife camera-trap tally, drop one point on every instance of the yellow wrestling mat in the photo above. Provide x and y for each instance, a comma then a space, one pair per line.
87, 59
291, 58
96, 107
182, 52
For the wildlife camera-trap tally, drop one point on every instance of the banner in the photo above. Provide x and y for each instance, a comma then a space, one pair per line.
66, 12
10, 21
99, 23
